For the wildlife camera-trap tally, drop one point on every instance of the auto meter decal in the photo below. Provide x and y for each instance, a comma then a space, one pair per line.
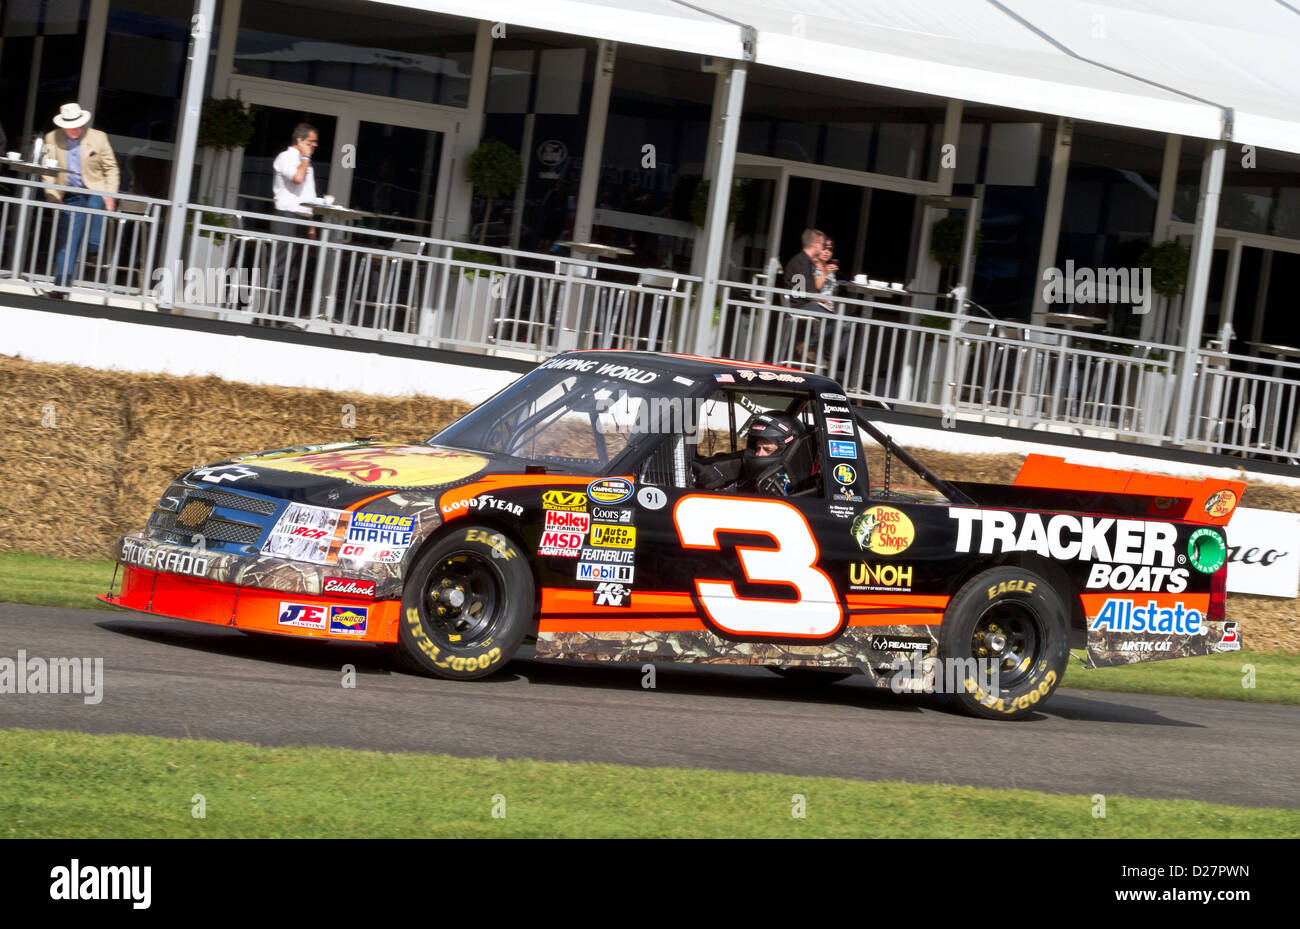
883, 530
1206, 551
1221, 503
603, 536
610, 490
380, 465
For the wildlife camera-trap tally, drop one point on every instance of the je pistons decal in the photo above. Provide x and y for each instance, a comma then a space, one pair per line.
573, 500
883, 530
610, 490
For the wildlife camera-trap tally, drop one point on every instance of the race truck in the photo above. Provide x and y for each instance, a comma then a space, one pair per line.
641, 507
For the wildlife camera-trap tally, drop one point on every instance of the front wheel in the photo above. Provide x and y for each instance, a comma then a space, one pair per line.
466, 606
1010, 630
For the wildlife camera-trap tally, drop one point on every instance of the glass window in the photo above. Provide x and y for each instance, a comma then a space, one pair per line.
825, 121
371, 48
1261, 190
49, 37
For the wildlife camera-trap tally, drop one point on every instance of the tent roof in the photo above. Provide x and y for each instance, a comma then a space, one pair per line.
1241, 55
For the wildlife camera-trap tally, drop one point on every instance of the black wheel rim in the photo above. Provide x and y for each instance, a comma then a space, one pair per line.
1013, 636
464, 598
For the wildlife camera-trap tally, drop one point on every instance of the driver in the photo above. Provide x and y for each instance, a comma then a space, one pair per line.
776, 459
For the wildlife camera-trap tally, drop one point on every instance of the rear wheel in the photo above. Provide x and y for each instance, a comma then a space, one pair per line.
467, 604
1010, 628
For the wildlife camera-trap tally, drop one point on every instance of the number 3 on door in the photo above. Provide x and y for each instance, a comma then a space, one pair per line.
816, 614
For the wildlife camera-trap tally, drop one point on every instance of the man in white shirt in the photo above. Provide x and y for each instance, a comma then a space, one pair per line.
293, 182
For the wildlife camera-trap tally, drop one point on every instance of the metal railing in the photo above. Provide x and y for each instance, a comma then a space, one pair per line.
434, 291
35, 247
1246, 411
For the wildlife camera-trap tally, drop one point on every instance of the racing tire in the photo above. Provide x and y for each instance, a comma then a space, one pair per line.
1015, 618
809, 676
466, 606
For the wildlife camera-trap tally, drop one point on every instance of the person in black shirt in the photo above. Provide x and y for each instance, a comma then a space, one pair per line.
802, 273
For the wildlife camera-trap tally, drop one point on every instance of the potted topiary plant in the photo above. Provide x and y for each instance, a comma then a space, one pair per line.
700, 203
1168, 262
495, 170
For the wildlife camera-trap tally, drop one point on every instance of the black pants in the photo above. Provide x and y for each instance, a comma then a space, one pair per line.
284, 270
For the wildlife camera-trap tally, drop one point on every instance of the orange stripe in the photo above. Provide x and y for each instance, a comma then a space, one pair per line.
637, 624
867, 601
360, 503
857, 620
563, 600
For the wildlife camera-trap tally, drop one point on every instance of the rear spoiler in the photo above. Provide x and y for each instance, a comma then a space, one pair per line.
1210, 501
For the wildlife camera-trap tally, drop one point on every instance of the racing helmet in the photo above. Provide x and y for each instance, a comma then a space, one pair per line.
792, 454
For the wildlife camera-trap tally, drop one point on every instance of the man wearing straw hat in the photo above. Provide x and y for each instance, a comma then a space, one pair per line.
88, 160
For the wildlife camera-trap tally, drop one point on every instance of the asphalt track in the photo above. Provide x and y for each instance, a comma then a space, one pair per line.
181, 679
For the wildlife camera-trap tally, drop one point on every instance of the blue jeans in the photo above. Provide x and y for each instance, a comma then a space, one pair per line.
72, 226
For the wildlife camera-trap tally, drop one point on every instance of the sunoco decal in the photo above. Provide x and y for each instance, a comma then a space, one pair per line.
302, 615
349, 620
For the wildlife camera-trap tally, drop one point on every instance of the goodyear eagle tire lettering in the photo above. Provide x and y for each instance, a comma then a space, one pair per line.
466, 606
1013, 626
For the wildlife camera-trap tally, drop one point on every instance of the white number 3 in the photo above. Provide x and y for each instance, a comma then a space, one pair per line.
816, 614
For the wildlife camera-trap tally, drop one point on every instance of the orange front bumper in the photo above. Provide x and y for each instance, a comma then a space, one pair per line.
350, 619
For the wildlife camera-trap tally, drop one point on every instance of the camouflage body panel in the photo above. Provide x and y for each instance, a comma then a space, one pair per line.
851, 651
1107, 648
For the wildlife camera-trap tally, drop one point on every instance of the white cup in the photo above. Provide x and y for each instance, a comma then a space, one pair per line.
51, 162
14, 156
859, 278
329, 199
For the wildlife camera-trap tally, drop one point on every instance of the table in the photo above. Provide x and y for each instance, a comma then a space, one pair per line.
327, 212
20, 229
595, 250
1283, 352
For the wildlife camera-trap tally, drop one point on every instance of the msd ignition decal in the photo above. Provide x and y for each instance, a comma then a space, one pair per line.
1066, 537
562, 544
1206, 551
843, 450
302, 615
307, 533
161, 559
1128, 616
610, 490
839, 427
883, 530
484, 503
346, 587
1126, 577
607, 594
349, 620
613, 536
572, 500
609, 515
590, 571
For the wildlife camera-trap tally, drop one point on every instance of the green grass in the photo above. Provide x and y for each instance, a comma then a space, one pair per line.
1214, 677
73, 785
48, 581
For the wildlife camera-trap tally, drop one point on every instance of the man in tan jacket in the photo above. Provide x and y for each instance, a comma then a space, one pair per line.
87, 160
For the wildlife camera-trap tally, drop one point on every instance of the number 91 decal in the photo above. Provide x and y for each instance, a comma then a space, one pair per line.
814, 614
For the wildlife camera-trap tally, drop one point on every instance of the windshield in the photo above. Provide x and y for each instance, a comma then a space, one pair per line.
567, 418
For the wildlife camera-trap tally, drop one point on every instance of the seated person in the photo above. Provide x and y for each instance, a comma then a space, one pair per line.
777, 459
